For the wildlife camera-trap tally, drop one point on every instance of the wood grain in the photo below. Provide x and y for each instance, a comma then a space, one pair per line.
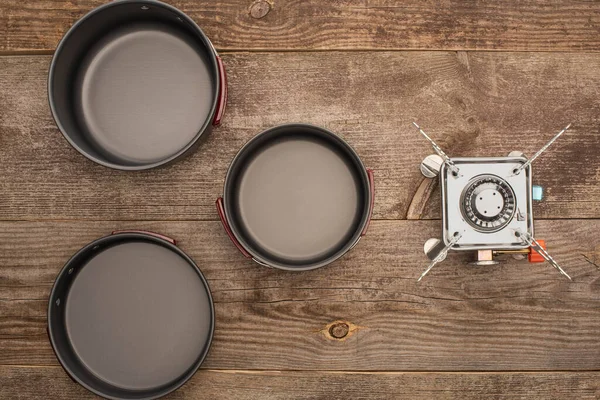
561, 25
362, 328
52, 382
514, 316
480, 104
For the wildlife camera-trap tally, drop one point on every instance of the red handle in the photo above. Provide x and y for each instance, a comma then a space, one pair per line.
221, 211
371, 176
157, 235
222, 102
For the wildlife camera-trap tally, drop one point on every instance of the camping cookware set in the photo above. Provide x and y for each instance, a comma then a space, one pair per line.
135, 84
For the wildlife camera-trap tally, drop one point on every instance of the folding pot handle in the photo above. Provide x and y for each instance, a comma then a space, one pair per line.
156, 235
222, 100
371, 177
221, 211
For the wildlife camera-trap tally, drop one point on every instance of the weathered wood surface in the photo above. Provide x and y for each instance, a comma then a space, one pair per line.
475, 104
513, 317
305, 335
561, 25
52, 383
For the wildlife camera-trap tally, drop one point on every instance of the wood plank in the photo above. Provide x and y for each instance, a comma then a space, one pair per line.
480, 104
562, 25
52, 382
514, 316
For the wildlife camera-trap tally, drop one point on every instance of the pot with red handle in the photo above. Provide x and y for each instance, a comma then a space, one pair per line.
130, 316
136, 84
296, 197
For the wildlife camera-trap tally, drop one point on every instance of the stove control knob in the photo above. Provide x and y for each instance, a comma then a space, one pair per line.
431, 166
433, 247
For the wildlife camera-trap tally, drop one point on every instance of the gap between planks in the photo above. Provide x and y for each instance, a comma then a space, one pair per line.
349, 372
49, 52
50, 221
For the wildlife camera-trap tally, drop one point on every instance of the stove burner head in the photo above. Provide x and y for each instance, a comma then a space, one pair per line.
488, 203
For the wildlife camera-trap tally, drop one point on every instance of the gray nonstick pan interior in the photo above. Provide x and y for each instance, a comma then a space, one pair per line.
134, 84
296, 197
134, 318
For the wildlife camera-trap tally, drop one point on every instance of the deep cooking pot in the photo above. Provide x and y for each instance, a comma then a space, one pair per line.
296, 197
135, 84
130, 316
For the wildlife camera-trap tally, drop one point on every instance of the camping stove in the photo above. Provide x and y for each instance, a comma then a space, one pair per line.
486, 206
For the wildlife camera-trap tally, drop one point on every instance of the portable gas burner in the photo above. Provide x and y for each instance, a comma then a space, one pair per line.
486, 206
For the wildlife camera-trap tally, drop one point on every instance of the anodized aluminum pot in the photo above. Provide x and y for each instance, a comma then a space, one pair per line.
135, 84
296, 197
130, 316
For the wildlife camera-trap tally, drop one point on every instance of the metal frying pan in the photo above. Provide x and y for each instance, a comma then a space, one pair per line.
130, 316
135, 84
296, 197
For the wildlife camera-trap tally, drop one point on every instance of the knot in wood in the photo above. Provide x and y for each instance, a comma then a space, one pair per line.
339, 330
260, 9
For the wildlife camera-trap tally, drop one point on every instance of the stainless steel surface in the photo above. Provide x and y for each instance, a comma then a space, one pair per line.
454, 220
536, 155
431, 166
439, 151
530, 240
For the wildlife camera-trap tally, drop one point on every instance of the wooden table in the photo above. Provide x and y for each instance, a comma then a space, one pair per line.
483, 77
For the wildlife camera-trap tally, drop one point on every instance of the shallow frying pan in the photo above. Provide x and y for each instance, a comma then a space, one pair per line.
130, 316
296, 197
136, 84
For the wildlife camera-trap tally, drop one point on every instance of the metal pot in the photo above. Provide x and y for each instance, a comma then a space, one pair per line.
296, 197
135, 84
130, 316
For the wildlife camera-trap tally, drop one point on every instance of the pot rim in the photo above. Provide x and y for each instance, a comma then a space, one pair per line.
353, 241
215, 70
125, 236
